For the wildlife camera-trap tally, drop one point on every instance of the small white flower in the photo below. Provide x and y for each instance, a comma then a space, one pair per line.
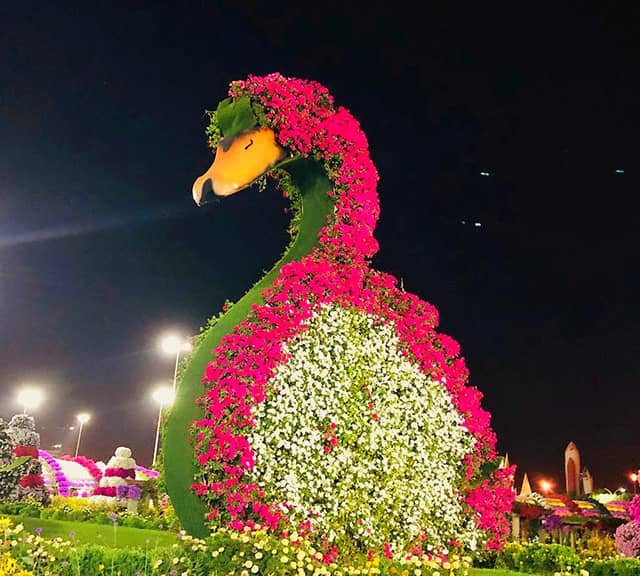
394, 469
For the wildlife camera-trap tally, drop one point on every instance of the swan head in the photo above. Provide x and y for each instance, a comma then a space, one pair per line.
244, 153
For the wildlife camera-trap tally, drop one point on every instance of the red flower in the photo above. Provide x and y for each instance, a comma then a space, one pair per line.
31, 481
26, 451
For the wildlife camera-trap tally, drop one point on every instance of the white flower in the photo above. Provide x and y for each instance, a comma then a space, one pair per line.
362, 436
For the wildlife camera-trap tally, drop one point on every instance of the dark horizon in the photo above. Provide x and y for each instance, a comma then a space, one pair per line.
524, 121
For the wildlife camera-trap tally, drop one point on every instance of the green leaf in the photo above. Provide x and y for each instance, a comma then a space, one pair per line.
15, 464
235, 116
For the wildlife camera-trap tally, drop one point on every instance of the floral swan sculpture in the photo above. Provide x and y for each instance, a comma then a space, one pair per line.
325, 402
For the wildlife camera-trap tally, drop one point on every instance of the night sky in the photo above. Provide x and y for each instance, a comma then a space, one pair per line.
102, 248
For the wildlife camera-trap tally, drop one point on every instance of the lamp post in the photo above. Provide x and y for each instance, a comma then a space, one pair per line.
173, 344
635, 480
30, 398
82, 418
164, 397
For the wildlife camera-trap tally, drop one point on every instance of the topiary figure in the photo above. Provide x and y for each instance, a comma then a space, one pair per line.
25, 442
332, 406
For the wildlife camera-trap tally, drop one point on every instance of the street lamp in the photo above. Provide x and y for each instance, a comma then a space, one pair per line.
82, 418
173, 344
30, 398
546, 486
164, 397
635, 479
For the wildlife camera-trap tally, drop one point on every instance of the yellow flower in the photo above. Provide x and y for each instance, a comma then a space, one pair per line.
5, 523
254, 569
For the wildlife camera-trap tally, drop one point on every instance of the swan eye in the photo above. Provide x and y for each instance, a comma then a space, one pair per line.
249, 145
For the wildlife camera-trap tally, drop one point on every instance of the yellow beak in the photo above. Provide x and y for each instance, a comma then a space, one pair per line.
238, 163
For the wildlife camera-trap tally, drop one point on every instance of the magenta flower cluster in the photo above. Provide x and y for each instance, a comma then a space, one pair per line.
628, 539
634, 508
120, 472
62, 483
304, 118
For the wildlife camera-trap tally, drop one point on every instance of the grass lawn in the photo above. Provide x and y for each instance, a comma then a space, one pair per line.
87, 533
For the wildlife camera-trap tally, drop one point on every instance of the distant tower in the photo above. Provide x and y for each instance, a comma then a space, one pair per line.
572, 469
526, 487
587, 481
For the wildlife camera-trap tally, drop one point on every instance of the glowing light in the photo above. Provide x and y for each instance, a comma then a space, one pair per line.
619, 171
30, 398
477, 224
164, 396
83, 418
546, 486
633, 476
483, 173
173, 344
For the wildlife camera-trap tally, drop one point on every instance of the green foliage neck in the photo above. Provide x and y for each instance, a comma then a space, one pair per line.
306, 184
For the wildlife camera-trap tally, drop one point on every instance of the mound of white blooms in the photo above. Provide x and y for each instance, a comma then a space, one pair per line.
356, 439
120, 461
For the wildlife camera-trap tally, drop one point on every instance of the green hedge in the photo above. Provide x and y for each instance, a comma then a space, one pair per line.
539, 558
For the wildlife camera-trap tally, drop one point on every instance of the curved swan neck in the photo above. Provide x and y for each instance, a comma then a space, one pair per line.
316, 205
312, 185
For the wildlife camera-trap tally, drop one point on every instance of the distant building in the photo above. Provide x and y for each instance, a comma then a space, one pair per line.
572, 469
587, 481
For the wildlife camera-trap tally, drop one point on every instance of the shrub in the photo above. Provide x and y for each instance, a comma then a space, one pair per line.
83, 510
28, 508
536, 558
597, 547
613, 567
